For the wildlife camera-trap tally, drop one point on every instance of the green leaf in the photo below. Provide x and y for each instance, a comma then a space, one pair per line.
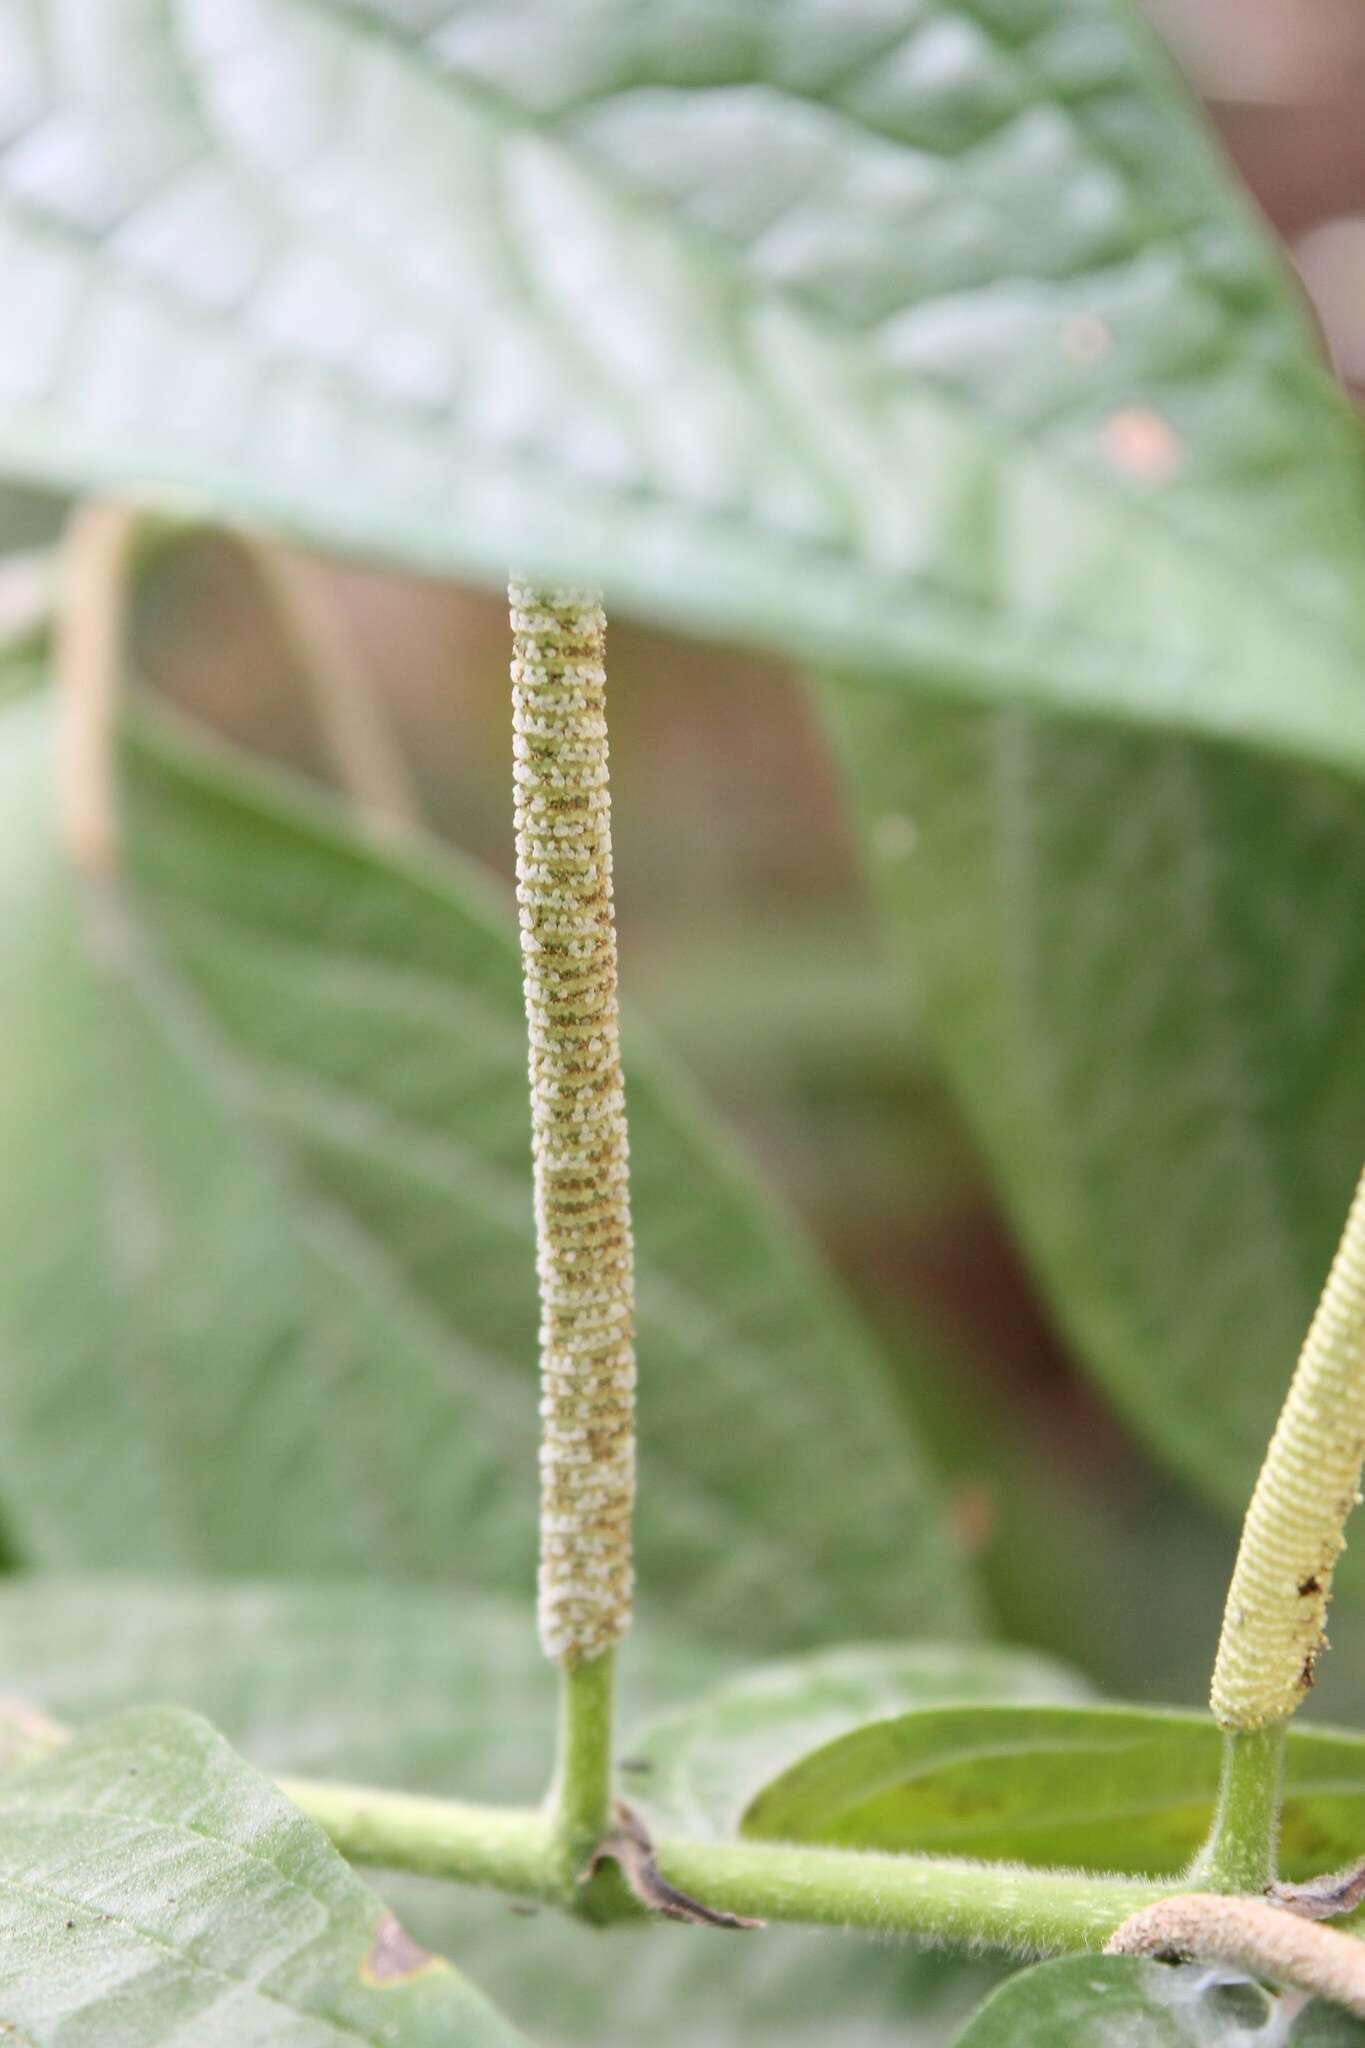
1144, 973
421, 1688
1089, 1787
155, 1889
1105, 2001
879, 335
1140, 956
268, 1245
696, 1769
434, 1689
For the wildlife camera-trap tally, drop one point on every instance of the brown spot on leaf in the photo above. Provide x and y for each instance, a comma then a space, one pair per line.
1142, 444
395, 1958
1312, 1584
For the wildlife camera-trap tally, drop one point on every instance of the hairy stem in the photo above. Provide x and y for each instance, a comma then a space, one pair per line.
1029, 1912
581, 1799
989, 1905
1239, 1855
509, 1848
1251, 1935
1294, 1528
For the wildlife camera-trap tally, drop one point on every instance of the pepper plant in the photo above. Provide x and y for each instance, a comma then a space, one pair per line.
934, 348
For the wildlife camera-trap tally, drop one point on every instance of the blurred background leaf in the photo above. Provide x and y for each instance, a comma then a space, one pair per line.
276, 1249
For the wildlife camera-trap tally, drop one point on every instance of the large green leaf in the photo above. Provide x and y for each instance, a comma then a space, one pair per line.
269, 1291
1117, 2002
429, 1689
1101, 1788
696, 1768
845, 330
155, 1890
1141, 957
1144, 967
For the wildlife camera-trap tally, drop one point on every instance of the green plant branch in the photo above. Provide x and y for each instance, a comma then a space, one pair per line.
1034, 1912
1239, 1855
510, 1849
580, 1802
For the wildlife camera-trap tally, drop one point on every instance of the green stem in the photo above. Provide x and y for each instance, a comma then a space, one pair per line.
1239, 1855
509, 1848
519, 1851
581, 1798
984, 1905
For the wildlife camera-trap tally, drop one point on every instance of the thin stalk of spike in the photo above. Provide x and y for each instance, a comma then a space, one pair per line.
585, 1257
1293, 1534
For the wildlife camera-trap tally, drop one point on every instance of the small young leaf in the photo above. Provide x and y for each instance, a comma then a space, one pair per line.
154, 1889
267, 1238
1102, 2001
1089, 1787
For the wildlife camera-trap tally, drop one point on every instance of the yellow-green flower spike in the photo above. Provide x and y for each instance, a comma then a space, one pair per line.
1293, 1533
585, 1255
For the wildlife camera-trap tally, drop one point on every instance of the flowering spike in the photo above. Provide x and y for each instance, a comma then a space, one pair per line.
584, 1250
1294, 1528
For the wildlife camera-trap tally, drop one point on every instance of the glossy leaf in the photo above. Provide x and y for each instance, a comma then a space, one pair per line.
155, 1889
877, 335
435, 1689
1089, 1787
270, 1294
1105, 2001
696, 1769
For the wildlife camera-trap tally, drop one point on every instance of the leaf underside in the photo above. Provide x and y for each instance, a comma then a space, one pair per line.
704, 307
155, 1889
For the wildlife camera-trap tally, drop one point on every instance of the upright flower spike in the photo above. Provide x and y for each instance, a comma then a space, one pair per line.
1294, 1528
585, 1256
